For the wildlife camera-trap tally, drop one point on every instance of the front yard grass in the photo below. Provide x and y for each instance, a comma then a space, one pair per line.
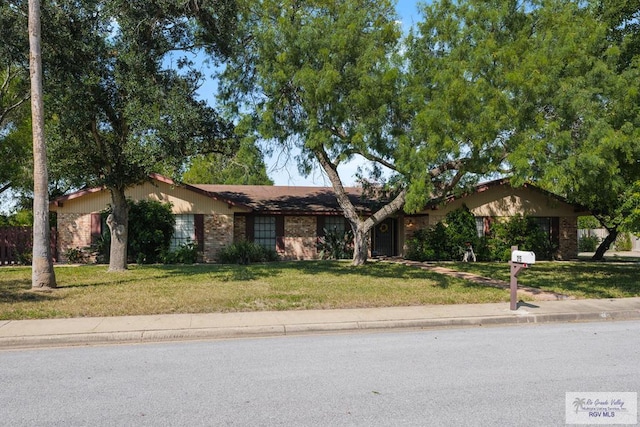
88, 291
578, 279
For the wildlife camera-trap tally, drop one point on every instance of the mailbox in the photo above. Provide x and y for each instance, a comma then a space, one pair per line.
523, 257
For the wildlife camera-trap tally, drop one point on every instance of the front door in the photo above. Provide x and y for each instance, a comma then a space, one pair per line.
384, 238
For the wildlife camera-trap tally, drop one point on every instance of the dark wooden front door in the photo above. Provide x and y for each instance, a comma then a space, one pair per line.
385, 238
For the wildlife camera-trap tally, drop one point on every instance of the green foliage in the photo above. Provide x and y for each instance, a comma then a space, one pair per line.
460, 231
246, 252
186, 253
429, 244
77, 255
631, 208
446, 242
588, 223
336, 244
122, 92
523, 232
23, 217
151, 226
245, 167
588, 243
546, 89
118, 101
623, 242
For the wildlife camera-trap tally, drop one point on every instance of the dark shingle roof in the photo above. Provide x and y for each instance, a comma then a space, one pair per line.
284, 199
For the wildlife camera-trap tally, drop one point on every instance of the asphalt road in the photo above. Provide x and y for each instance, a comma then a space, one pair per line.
511, 376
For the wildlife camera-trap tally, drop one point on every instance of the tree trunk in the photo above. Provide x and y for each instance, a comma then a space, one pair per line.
360, 228
605, 244
118, 221
42, 274
360, 245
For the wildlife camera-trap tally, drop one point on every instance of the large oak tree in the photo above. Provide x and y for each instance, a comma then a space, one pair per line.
123, 89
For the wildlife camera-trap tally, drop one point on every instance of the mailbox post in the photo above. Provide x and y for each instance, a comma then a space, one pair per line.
519, 260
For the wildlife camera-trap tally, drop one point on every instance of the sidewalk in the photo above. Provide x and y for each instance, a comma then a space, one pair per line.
137, 329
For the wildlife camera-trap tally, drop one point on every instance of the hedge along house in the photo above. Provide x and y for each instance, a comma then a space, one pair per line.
497, 200
292, 219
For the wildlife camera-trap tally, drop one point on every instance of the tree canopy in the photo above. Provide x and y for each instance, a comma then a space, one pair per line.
245, 167
550, 86
119, 103
15, 142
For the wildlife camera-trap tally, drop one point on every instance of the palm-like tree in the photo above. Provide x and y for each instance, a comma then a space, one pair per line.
578, 403
42, 276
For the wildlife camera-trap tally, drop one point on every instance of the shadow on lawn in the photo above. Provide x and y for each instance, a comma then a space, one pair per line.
594, 280
12, 291
581, 279
342, 269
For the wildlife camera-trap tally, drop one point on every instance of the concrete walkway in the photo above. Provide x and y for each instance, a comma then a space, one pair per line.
136, 329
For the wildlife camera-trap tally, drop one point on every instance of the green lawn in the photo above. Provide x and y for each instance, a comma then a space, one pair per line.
91, 291
579, 279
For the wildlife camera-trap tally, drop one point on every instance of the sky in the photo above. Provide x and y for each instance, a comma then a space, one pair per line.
283, 170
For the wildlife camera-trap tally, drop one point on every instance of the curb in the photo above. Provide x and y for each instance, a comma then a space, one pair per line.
154, 336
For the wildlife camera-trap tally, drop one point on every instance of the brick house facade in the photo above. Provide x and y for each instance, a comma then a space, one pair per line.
292, 219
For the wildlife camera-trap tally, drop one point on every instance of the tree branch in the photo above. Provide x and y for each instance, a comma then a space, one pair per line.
341, 195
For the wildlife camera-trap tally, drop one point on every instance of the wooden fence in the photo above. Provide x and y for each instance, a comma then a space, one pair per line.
16, 245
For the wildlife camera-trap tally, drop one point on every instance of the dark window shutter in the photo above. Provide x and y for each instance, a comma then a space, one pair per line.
198, 222
488, 225
555, 230
96, 227
249, 228
280, 233
320, 226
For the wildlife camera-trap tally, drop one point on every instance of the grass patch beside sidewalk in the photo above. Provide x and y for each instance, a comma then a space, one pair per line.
88, 291
578, 279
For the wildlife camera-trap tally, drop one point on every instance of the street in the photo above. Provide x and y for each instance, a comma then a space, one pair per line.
511, 376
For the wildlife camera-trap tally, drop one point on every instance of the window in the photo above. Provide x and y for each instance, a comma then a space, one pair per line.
334, 224
265, 231
544, 224
480, 226
184, 231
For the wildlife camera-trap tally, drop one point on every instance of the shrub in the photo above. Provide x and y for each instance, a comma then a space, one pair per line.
446, 243
336, 244
102, 247
186, 253
151, 226
245, 252
429, 244
588, 243
523, 232
623, 242
446, 240
461, 229
76, 255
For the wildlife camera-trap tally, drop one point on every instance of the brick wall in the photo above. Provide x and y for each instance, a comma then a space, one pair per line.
219, 232
74, 231
411, 224
568, 238
300, 237
239, 228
